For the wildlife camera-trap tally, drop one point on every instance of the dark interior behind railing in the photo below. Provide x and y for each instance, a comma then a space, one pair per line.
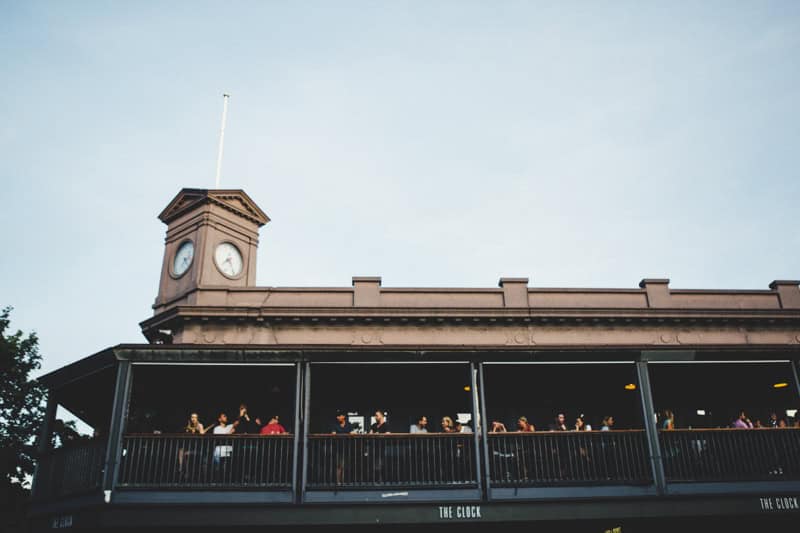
75, 468
569, 458
711, 455
209, 461
397, 460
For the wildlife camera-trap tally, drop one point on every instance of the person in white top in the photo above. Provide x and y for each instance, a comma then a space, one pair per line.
421, 426
223, 428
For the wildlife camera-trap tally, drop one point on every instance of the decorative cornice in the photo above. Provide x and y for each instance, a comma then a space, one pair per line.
234, 200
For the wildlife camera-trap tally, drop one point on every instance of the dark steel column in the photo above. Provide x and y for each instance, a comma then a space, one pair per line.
484, 433
119, 413
651, 430
306, 410
45, 436
476, 416
297, 431
794, 364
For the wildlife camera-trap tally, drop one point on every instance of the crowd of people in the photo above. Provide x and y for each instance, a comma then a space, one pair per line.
244, 424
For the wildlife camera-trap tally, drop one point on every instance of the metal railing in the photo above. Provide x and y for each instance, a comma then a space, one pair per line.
395, 460
206, 461
75, 468
708, 455
569, 458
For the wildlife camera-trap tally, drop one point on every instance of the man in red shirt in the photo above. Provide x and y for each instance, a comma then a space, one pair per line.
273, 427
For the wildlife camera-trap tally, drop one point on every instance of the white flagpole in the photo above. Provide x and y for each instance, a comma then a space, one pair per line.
225, 98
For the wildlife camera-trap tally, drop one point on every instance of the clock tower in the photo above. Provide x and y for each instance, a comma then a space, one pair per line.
212, 239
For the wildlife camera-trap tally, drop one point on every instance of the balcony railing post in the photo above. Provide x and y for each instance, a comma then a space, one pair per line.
651, 430
119, 410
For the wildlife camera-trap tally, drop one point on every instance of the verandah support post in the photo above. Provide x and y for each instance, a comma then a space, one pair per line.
45, 438
119, 413
297, 431
651, 430
794, 365
306, 410
476, 417
484, 432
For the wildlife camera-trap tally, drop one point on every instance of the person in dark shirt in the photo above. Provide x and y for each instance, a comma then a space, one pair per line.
246, 424
380, 425
342, 426
380, 447
560, 423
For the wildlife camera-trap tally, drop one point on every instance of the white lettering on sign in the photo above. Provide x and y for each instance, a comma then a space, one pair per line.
460, 512
779, 503
60, 522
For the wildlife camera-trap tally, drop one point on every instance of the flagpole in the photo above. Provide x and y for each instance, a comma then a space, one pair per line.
225, 98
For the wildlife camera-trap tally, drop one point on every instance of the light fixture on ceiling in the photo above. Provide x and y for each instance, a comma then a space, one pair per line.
630, 386
467, 388
781, 385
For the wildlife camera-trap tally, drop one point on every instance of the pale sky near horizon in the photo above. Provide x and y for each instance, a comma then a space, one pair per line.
580, 144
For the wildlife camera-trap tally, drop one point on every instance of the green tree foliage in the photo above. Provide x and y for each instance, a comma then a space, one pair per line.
21, 404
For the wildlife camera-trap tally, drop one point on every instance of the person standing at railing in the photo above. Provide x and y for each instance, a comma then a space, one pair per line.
379, 452
608, 423
193, 427
668, 422
742, 422
421, 426
223, 452
341, 427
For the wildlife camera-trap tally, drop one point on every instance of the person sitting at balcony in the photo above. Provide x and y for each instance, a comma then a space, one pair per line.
421, 426
380, 425
608, 423
742, 422
669, 420
462, 427
523, 426
580, 424
273, 427
498, 427
560, 423
447, 425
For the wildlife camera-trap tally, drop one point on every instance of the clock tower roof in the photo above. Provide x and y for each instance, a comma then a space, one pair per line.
234, 200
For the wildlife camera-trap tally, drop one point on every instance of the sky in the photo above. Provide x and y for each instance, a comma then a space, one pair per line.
433, 143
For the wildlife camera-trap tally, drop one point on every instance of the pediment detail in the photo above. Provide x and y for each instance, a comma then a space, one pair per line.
234, 200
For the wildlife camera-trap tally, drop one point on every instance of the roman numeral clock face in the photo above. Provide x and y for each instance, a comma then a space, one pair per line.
228, 259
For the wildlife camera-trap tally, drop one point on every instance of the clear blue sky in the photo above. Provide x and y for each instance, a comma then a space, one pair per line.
581, 144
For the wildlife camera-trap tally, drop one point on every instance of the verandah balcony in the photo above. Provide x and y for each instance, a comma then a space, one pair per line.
208, 461
569, 458
730, 455
422, 460
71, 470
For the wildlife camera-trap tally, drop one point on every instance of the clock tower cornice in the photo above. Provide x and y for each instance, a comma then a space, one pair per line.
233, 200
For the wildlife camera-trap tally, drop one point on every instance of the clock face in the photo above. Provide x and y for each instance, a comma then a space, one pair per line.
228, 259
183, 258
